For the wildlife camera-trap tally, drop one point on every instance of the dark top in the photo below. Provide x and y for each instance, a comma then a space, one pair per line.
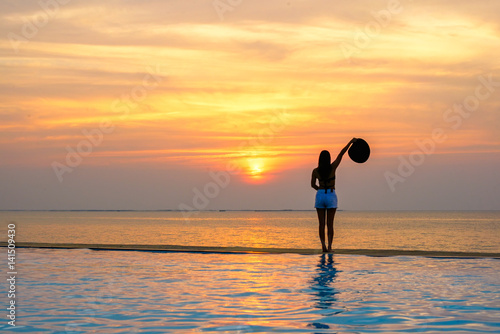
324, 183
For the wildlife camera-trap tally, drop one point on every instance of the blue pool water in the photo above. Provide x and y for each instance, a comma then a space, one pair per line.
85, 291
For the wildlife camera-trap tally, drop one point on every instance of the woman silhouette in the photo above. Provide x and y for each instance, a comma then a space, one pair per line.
326, 198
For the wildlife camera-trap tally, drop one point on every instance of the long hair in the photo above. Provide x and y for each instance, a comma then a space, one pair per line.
324, 165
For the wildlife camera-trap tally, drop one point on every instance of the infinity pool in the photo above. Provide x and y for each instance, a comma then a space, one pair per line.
85, 291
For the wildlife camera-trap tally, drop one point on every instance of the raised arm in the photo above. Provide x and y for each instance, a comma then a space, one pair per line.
336, 163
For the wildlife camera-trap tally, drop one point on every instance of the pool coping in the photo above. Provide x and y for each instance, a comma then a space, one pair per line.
252, 250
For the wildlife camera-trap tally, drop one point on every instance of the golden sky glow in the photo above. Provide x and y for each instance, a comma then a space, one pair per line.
266, 88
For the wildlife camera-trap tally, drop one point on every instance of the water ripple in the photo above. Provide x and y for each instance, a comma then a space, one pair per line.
243, 293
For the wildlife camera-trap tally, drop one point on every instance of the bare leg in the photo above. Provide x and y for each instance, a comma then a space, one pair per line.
329, 223
321, 218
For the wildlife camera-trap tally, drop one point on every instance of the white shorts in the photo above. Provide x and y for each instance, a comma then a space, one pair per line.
326, 200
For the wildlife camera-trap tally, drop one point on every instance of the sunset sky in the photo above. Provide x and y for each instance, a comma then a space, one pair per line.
161, 101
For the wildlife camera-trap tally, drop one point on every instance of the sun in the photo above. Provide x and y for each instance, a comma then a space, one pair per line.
255, 170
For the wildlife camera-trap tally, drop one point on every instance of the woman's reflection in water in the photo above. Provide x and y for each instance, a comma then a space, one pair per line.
322, 287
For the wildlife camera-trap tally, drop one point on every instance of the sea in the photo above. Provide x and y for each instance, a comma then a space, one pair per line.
461, 231
104, 291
